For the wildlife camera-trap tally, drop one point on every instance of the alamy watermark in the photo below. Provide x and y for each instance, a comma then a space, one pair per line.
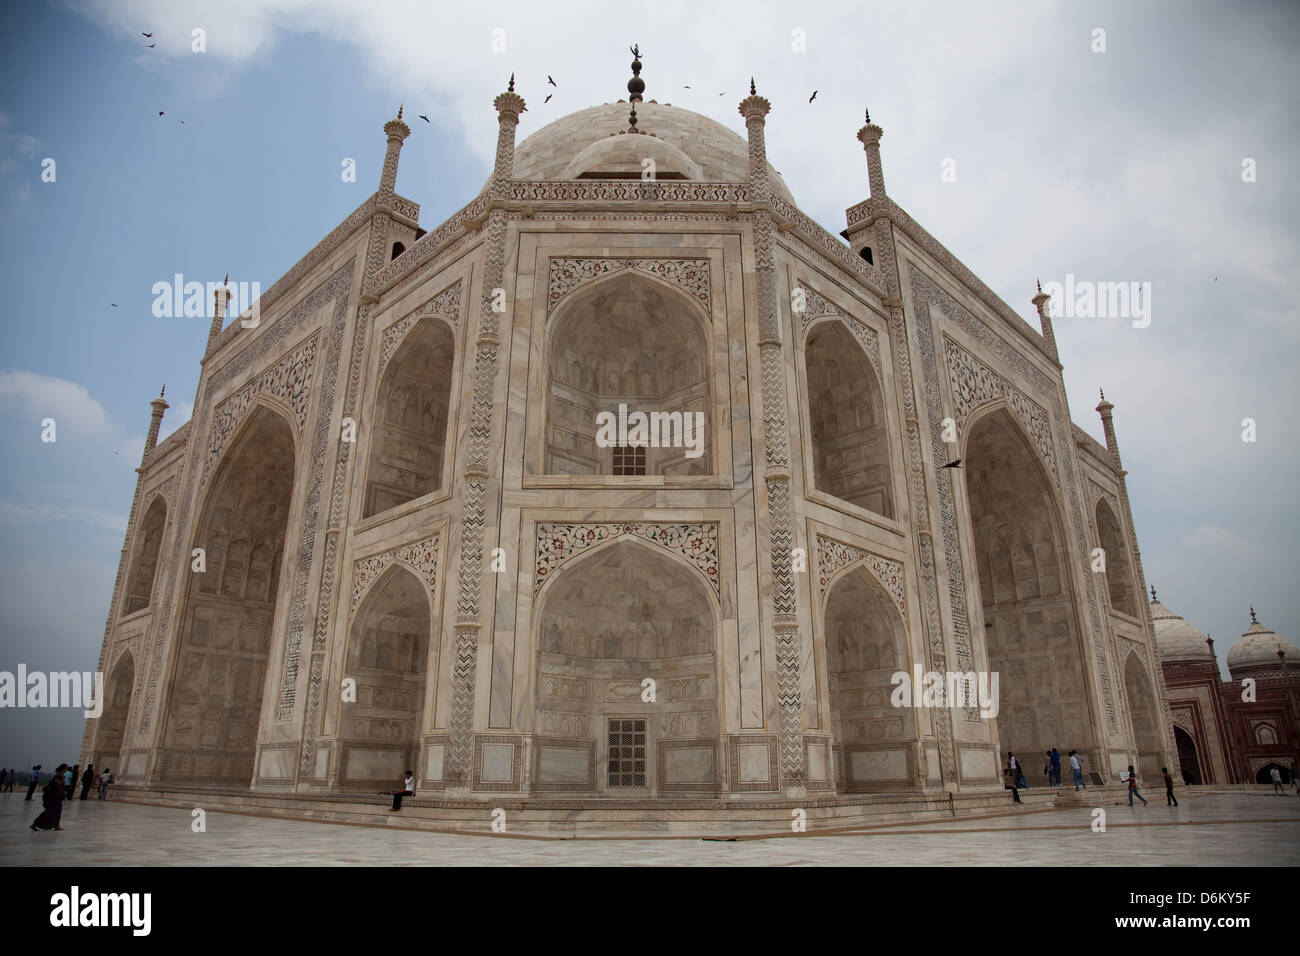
55, 689
193, 300
653, 429
946, 689
1084, 299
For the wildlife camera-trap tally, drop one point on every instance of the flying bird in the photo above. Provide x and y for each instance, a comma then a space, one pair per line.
813, 97
952, 464
423, 117
551, 81
147, 35
152, 45
686, 87
160, 112
113, 304
723, 93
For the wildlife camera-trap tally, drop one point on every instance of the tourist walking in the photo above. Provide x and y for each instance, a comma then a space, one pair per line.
31, 784
52, 801
69, 780
13, 777
4, 778
1056, 767
1295, 778
1276, 775
1076, 771
105, 779
408, 790
87, 778
1017, 771
1170, 799
1047, 766
1133, 787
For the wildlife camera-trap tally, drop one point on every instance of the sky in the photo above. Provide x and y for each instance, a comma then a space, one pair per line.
1027, 150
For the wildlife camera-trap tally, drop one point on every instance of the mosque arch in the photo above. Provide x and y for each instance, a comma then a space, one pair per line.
144, 563
866, 644
1189, 757
621, 613
387, 656
1031, 624
409, 436
1119, 566
221, 666
847, 421
627, 340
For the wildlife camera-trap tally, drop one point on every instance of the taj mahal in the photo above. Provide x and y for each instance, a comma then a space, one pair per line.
396, 535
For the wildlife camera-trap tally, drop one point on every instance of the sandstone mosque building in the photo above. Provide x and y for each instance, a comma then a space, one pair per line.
416, 552
1238, 730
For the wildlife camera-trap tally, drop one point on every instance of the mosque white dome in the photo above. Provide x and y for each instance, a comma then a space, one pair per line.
1258, 647
593, 143
1176, 639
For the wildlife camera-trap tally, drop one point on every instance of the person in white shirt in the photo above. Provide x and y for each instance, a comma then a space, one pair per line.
408, 790
1076, 769
1277, 781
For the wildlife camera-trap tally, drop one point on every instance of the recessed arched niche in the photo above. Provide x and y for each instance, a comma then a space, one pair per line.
846, 412
629, 342
409, 436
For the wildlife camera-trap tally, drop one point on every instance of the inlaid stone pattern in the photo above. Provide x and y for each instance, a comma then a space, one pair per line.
616, 191
288, 379
817, 305
692, 275
446, 304
974, 383
557, 543
833, 555
420, 555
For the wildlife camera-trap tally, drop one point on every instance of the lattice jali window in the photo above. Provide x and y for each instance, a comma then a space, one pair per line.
627, 752
629, 459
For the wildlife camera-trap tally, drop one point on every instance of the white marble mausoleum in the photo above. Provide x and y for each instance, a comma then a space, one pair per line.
417, 551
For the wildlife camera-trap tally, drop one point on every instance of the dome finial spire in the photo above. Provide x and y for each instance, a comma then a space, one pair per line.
1153, 594
753, 90
635, 86
1252, 615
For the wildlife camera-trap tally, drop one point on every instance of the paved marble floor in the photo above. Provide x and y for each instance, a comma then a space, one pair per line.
1218, 829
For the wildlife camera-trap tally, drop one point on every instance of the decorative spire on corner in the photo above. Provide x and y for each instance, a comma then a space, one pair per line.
869, 136
1040, 301
1153, 594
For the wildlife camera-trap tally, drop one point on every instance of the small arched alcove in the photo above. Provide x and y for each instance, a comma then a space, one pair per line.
388, 647
1119, 568
846, 412
866, 644
410, 430
612, 619
144, 563
634, 343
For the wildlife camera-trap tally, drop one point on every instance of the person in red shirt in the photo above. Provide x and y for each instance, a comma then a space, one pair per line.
1133, 787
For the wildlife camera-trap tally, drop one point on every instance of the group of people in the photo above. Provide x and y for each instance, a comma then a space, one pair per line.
63, 786
1051, 770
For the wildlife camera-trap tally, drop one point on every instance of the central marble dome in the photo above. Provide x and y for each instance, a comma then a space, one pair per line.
594, 144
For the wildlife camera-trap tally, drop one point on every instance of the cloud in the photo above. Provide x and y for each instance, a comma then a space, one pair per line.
44, 396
